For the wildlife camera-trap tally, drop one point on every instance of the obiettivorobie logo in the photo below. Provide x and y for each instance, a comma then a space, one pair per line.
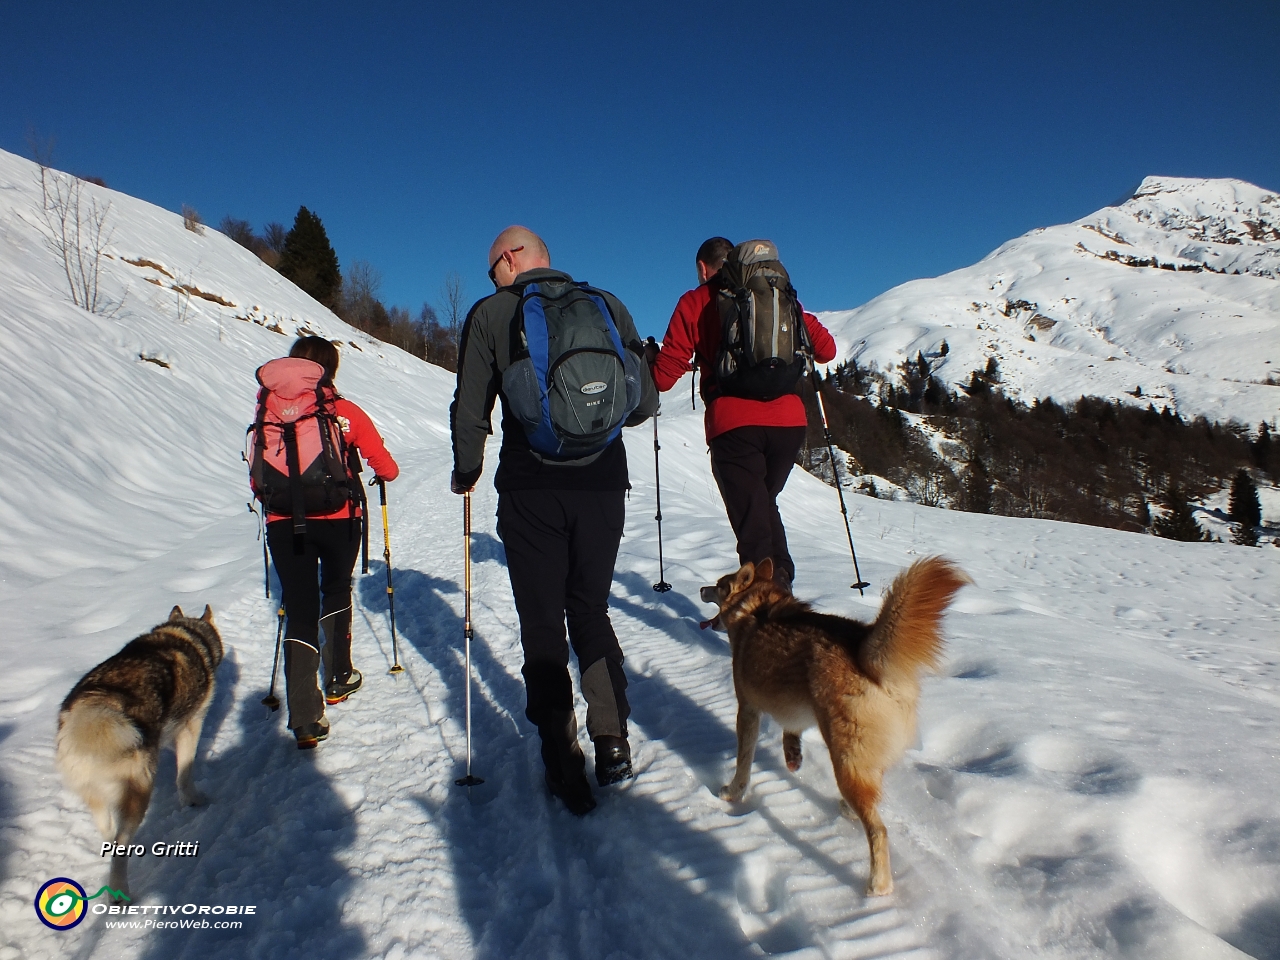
61, 903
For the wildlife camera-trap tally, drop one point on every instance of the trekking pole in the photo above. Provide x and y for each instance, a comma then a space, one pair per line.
661, 586
271, 700
468, 780
826, 432
391, 593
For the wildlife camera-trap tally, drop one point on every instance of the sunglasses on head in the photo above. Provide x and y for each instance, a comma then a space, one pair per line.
492, 269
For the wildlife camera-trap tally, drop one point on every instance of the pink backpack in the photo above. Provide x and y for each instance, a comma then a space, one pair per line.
298, 464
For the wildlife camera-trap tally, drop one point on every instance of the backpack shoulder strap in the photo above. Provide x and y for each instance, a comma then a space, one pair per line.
603, 303
518, 347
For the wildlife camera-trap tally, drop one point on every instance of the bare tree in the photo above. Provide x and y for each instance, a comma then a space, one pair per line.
928, 489
403, 332
453, 290
42, 153
274, 234
358, 301
79, 232
241, 231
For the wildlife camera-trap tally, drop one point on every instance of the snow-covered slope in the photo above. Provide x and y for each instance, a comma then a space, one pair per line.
1096, 772
1174, 293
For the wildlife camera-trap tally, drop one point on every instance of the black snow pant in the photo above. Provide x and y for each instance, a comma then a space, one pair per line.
316, 607
561, 546
751, 466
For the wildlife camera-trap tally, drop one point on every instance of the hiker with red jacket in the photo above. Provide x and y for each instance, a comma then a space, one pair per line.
314, 519
753, 442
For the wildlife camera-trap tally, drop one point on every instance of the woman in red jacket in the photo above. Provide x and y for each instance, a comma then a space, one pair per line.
753, 442
315, 566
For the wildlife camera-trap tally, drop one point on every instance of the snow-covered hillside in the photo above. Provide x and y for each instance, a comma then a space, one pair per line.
1095, 775
1171, 297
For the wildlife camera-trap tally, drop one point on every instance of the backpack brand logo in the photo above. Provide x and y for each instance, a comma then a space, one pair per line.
761, 248
595, 386
289, 411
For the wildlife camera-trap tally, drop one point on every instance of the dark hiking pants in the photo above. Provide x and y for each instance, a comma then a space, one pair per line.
561, 546
316, 586
751, 465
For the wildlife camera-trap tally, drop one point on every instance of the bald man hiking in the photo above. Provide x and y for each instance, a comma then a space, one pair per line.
567, 362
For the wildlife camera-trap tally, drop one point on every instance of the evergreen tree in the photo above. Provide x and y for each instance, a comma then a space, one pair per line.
1179, 523
1261, 448
1245, 509
977, 488
309, 260
934, 396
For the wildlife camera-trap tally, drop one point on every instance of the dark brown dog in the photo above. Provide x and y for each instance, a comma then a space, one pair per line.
858, 682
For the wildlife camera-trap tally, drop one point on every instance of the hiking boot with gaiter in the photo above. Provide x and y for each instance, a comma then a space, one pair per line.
613, 760
310, 734
339, 690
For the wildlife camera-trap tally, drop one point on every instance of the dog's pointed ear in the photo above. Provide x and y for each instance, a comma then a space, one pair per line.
765, 570
208, 614
746, 574
176, 613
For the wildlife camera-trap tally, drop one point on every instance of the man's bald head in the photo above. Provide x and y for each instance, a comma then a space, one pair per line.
534, 254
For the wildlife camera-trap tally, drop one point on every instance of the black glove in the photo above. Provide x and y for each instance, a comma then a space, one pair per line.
456, 487
651, 350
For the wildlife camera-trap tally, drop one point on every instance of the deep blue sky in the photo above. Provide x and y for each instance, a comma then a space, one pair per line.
875, 143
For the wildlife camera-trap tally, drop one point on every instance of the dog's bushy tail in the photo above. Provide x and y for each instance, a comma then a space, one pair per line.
906, 634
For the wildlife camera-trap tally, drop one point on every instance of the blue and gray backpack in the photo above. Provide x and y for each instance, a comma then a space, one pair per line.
572, 382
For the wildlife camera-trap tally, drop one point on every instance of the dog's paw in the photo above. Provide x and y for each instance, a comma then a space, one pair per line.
193, 798
880, 889
791, 751
731, 793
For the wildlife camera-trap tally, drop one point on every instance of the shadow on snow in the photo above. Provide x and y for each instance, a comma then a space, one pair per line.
270, 836
628, 880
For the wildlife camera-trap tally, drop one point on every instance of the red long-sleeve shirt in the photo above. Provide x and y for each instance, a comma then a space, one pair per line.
694, 331
358, 431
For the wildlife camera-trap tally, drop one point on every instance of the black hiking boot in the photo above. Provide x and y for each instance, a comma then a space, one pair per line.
613, 760
339, 690
566, 766
576, 795
310, 734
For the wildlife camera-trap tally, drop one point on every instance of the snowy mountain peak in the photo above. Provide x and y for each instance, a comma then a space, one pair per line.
1226, 226
1171, 297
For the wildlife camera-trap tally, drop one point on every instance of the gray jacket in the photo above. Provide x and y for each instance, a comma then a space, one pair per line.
484, 353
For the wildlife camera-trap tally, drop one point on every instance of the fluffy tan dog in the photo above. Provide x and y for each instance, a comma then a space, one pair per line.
857, 682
